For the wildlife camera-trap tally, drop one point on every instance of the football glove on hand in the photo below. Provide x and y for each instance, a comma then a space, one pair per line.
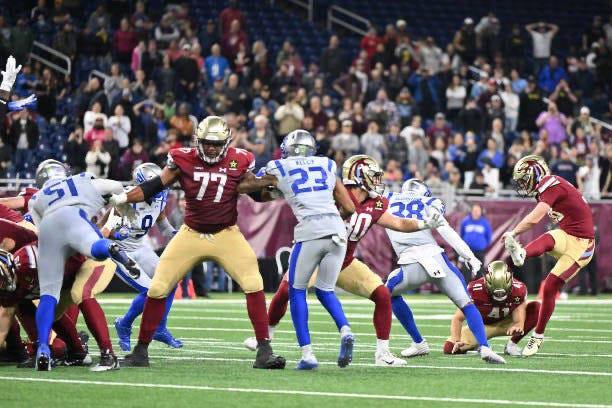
474, 265
9, 74
29, 102
432, 221
121, 234
113, 221
509, 239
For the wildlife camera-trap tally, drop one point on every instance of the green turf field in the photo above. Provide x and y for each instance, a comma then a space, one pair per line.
573, 369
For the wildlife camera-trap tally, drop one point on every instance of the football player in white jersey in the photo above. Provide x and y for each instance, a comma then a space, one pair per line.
422, 260
147, 213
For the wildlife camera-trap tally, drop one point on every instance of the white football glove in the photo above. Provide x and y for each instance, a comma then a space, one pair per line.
119, 201
9, 74
432, 221
509, 239
113, 221
474, 265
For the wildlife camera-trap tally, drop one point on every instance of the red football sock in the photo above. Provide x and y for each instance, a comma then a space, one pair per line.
278, 304
58, 348
96, 323
152, 314
256, 306
66, 330
543, 243
531, 318
552, 286
13, 338
382, 312
72, 313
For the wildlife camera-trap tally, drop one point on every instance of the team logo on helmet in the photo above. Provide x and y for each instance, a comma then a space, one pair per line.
363, 171
527, 174
498, 281
50, 169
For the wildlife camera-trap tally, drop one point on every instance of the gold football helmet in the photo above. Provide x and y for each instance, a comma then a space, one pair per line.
213, 130
527, 173
8, 279
498, 280
363, 171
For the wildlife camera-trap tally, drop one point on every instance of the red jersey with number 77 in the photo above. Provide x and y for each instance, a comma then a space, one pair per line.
211, 193
491, 310
568, 207
366, 214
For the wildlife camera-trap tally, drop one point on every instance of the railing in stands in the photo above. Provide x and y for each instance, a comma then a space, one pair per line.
343, 16
42, 53
99, 74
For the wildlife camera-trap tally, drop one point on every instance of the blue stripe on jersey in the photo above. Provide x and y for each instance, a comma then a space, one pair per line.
455, 270
389, 195
279, 166
295, 253
329, 164
84, 216
431, 200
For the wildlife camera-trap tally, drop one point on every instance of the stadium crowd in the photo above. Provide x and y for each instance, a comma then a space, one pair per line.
456, 115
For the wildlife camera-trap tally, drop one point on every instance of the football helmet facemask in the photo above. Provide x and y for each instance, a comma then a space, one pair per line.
213, 130
527, 174
498, 280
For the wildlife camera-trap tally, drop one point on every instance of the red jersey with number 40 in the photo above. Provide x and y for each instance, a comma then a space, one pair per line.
366, 214
568, 207
491, 310
211, 192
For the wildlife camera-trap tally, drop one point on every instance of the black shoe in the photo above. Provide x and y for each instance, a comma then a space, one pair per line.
266, 359
138, 358
108, 361
123, 261
77, 360
84, 337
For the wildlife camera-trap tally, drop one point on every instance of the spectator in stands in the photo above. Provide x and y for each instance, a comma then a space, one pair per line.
588, 179
23, 138
232, 39
511, 107
554, 123
165, 32
531, 105
479, 183
394, 176
132, 158
289, 115
564, 98
318, 116
425, 88
494, 110
455, 96
542, 35
373, 143
487, 35
182, 122
382, 110
414, 130
430, 55
514, 49
141, 21
96, 132
605, 165
477, 233
209, 35
593, 34
91, 116
417, 156
228, 15
349, 85
66, 41
216, 65
406, 106
465, 41
583, 121
565, 168
261, 141
346, 141
470, 117
121, 126
518, 84
124, 41
21, 41
98, 160
188, 74
370, 41
491, 156
332, 58
439, 129
551, 74
497, 132
99, 19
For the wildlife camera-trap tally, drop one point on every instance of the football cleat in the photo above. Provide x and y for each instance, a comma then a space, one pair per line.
108, 361
387, 359
250, 344
124, 262
123, 334
416, 349
532, 347
512, 349
43, 358
138, 358
165, 337
514, 248
307, 364
346, 351
30, 362
266, 358
490, 356
77, 360
84, 337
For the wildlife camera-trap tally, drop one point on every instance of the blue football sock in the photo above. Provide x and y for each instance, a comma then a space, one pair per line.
402, 312
299, 314
164, 320
135, 309
474, 321
44, 317
330, 302
100, 249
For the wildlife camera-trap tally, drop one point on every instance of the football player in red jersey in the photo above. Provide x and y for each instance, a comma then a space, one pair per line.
209, 175
500, 299
572, 244
362, 176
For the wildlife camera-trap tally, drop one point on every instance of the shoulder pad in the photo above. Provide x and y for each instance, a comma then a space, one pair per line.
437, 204
547, 182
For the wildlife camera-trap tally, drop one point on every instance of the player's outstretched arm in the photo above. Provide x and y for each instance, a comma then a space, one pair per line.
532, 219
518, 319
14, 203
409, 225
251, 184
343, 199
6, 317
147, 189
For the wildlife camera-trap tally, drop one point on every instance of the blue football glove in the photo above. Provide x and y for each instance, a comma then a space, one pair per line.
29, 102
28, 217
121, 234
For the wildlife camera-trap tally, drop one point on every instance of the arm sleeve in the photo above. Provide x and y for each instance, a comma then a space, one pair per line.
455, 241
106, 187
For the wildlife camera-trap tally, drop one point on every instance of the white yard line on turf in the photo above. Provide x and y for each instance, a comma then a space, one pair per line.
311, 393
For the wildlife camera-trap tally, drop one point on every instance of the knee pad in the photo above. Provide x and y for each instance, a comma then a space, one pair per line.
100, 249
251, 282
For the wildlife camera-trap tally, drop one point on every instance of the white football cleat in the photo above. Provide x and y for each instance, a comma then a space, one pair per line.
533, 345
250, 343
387, 359
416, 349
516, 251
490, 356
512, 349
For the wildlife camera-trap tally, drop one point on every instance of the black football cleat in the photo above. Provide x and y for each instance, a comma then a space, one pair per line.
266, 358
108, 361
138, 358
123, 261
84, 337
77, 359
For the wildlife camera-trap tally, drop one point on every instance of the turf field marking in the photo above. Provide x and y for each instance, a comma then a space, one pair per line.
309, 393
